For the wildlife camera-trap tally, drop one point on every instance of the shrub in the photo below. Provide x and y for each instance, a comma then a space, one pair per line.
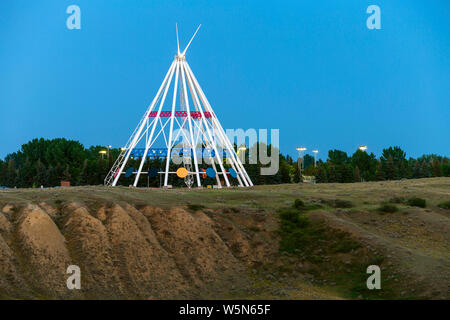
291, 221
301, 235
387, 208
231, 210
254, 228
312, 206
298, 204
339, 203
397, 200
291, 215
417, 202
344, 245
444, 205
15, 209
195, 207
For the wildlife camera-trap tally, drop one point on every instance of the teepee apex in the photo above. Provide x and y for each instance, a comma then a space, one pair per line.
178, 41
184, 51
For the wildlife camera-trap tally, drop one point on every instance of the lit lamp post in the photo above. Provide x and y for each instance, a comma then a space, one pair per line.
102, 152
109, 147
315, 155
300, 158
243, 149
363, 149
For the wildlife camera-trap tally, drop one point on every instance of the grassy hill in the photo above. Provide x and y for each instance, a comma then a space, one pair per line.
230, 243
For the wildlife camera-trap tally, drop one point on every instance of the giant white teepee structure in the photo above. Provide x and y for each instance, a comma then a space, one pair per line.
184, 131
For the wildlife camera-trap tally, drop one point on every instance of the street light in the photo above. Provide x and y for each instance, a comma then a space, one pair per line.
102, 152
109, 147
315, 154
242, 148
362, 148
300, 158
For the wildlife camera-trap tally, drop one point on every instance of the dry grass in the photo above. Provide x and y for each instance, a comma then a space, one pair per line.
218, 234
435, 190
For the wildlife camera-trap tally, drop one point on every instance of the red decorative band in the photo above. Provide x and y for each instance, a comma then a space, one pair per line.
194, 114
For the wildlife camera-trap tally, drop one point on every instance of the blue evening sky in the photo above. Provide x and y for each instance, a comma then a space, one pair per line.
309, 68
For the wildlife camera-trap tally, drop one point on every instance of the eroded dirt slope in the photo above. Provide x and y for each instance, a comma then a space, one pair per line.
123, 252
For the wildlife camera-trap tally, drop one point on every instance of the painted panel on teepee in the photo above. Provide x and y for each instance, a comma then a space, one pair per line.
182, 173
232, 172
210, 172
129, 172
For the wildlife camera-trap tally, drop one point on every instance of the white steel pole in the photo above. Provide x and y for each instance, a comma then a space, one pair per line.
172, 117
218, 132
221, 131
193, 147
232, 163
184, 52
232, 160
147, 145
217, 175
213, 144
217, 124
136, 136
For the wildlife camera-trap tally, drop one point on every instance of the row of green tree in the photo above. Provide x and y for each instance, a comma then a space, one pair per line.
392, 165
42, 162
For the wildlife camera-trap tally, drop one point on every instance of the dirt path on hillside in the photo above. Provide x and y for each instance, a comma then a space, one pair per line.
417, 242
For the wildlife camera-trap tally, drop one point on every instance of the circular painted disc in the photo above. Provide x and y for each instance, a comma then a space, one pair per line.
129, 172
211, 173
152, 172
232, 172
182, 173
